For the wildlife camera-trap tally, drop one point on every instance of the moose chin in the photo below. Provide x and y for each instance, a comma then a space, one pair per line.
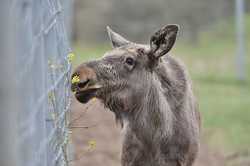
151, 95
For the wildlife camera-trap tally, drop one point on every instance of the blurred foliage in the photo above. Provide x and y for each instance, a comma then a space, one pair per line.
138, 19
223, 101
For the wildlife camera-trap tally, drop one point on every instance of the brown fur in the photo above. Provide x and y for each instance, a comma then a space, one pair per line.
151, 96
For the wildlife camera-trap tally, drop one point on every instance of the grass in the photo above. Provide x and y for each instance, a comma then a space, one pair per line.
88, 53
225, 108
223, 101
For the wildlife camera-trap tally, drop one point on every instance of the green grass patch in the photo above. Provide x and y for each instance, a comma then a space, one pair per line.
86, 53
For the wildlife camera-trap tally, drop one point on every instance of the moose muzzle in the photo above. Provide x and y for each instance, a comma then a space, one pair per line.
84, 84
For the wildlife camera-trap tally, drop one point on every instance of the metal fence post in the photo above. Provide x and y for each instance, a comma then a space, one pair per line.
240, 57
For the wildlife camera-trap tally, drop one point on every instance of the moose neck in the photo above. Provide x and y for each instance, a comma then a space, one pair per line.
153, 119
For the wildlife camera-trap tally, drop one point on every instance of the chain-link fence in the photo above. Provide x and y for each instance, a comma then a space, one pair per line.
42, 74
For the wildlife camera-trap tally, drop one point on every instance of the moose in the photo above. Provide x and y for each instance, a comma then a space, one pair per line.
151, 95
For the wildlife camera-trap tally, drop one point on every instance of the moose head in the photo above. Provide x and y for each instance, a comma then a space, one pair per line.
123, 77
151, 95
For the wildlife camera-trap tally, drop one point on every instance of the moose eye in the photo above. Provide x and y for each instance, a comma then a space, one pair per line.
130, 61
140, 51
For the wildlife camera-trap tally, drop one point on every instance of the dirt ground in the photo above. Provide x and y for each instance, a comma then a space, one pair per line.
97, 141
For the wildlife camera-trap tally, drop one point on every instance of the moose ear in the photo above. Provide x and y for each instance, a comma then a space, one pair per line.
116, 39
163, 40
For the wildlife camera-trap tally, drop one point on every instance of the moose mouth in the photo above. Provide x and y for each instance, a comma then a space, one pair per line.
85, 89
84, 96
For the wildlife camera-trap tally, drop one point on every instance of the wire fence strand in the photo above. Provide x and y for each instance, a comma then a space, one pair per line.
43, 77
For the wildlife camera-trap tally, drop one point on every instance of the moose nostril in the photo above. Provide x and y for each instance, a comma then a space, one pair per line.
82, 84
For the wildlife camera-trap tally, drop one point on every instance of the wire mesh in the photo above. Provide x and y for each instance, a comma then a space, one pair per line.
43, 80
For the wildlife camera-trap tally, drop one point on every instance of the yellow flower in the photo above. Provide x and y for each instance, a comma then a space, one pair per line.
75, 79
53, 115
91, 144
71, 56
51, 95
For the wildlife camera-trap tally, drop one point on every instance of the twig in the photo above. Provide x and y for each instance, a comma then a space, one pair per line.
236, 155
82, 127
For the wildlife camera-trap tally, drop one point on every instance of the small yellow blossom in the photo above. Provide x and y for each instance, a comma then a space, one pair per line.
53, 115
91, 144
71, 56
75, 79
51, 95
